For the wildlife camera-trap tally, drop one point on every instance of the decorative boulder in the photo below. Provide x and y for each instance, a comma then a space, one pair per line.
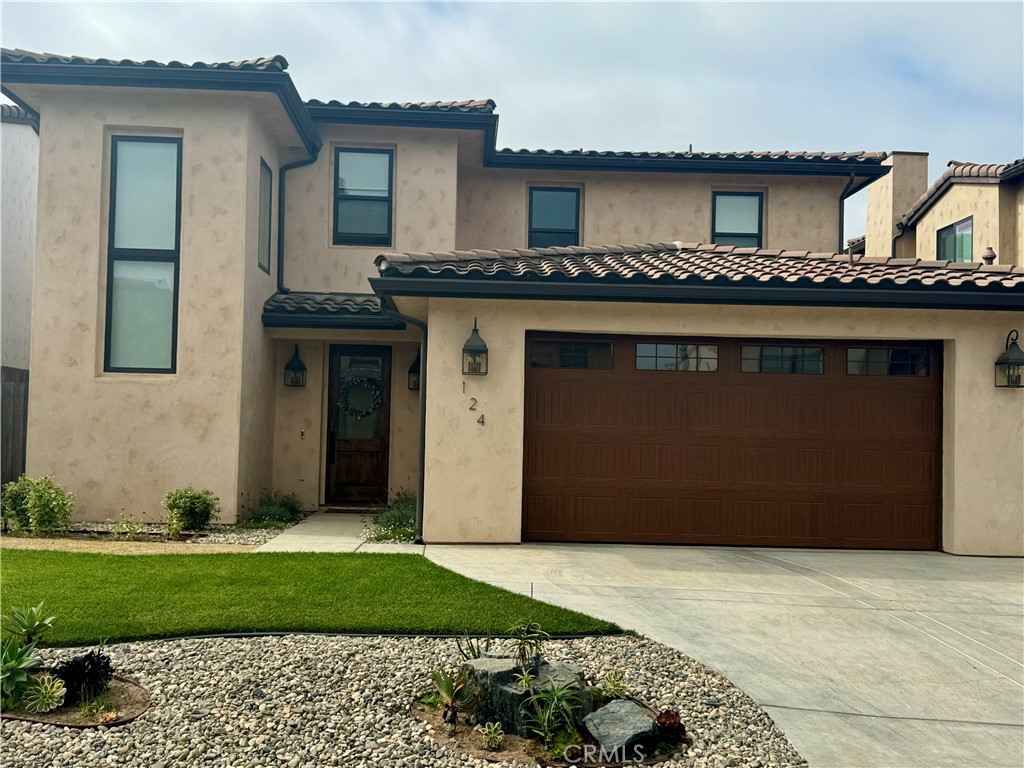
502, 700
619, 725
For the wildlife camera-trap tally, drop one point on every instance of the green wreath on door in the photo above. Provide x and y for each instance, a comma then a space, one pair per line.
376, 396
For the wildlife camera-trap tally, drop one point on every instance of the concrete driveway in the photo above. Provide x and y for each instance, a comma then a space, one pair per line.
863, 658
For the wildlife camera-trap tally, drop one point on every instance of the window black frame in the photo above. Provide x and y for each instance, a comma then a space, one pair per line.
141, 254
656, 357
531, 230
953, 226
794, 345
927, 362
715, 234
571, 353
351, 238
270, 218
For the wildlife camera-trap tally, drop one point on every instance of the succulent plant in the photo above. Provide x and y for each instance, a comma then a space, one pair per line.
614, 685
44, 693
85, 676
669, 720
17, 659
30, 624
493, 735
456, 693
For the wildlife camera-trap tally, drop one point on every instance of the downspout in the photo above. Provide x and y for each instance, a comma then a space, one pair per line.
387, 306
842, 214
280, 213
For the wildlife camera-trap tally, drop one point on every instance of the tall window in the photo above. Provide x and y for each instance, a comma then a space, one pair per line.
362, 196
956, 241
554, 217
266, 206
736, 218
144, 244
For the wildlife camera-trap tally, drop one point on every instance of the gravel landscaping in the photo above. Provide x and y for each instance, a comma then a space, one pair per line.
215, 534
315, 701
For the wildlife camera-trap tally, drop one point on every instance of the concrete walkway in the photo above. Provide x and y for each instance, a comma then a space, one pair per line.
332, 532
865, 659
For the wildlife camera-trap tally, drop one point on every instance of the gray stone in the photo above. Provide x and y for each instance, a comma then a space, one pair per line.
619, 725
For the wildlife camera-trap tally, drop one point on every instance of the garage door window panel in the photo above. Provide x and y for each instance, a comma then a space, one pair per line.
878, 361
594, 355
677, 357
781, 359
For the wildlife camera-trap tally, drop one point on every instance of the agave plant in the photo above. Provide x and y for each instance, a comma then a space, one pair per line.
44, 693
30, 624
17, 659
456, 692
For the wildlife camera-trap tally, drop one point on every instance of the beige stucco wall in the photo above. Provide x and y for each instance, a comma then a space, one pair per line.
800, 212
890, 197
19, 168
962, 200
474, 473
256, 408
423, 209
1018, 216
300, 421
1010, 249
120, 441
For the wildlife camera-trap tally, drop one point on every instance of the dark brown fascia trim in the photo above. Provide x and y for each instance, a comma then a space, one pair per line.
941, 191
368, 323
875, 296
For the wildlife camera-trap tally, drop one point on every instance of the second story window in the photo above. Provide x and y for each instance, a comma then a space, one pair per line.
362, 196
266, 209
736, 218
554, 217
144, 245
955, 242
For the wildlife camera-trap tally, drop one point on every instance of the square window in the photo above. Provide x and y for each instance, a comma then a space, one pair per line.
736, 218
554, 217
956, 242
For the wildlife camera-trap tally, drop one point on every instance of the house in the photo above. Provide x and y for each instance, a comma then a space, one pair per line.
239, 289
19, 133
974, 212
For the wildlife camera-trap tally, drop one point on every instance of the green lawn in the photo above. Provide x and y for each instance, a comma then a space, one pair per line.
125, 597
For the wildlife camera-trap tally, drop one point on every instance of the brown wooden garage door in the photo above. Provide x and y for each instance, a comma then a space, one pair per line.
725, 441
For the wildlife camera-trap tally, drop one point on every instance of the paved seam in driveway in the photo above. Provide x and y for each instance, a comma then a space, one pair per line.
881, 659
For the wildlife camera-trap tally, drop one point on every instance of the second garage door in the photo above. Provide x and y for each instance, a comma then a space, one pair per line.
726, 441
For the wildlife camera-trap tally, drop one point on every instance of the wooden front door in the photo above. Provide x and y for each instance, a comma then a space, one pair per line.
358, 424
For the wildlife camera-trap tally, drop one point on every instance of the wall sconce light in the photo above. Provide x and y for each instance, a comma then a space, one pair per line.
474, 355
295, 371
414, 373
1010, 364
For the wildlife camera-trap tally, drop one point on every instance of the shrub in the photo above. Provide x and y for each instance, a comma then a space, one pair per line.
30, 624
44, 693
189, 509
397, 521
275, 509
85, 676
126, 527
40, 507
14, 504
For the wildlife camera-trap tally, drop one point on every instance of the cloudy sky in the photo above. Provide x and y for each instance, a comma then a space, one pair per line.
946, 78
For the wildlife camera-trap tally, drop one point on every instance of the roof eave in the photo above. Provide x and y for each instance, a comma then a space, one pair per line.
376, 322
935, 194
923, 297
421, 118
279, 83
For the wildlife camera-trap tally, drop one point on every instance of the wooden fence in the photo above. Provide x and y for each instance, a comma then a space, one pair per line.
13, 422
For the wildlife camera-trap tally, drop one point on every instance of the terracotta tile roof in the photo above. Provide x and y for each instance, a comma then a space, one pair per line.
326, 310
476, 106
766, 156
955, 173
17, 55
10, 113
702, 264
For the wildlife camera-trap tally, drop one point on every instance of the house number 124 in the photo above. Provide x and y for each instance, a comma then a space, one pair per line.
472, 406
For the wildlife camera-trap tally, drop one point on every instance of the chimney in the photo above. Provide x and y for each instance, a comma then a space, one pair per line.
892, 196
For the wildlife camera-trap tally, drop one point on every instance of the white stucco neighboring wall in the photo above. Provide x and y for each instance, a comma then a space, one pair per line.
20, 175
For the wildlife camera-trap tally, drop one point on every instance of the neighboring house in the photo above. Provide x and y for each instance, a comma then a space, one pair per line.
244, 290
970, 209
20, 137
